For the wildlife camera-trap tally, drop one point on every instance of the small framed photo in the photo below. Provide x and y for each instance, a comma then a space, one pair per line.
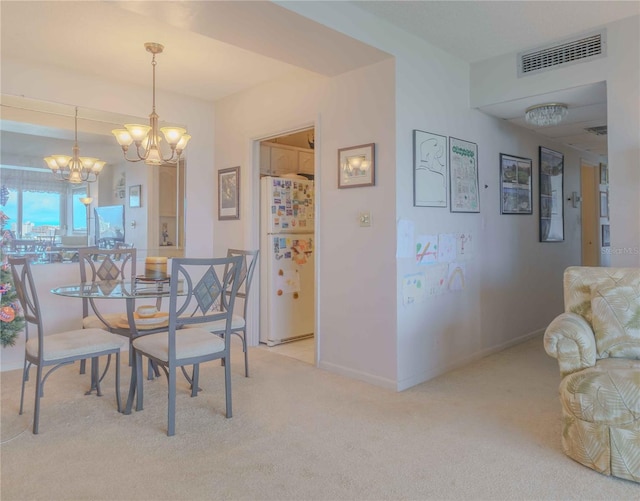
357, 166
604, 174
604, 204
606, 238
135, 196
515, 185
229, 193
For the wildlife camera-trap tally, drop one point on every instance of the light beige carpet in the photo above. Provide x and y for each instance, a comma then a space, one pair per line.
489, 431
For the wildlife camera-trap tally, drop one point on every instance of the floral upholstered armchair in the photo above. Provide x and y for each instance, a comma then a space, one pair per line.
597, 344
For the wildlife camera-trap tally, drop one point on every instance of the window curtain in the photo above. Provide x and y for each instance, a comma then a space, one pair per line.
31, 180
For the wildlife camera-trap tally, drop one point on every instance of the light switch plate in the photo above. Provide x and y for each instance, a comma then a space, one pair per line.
365, 219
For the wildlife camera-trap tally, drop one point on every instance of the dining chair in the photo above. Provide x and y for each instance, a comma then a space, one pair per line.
197, 286
239, 318
98, 265
57, 349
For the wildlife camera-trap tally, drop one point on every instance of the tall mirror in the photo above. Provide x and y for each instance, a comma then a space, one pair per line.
49, 218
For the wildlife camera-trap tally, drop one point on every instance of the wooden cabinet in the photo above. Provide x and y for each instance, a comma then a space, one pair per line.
283, 161
306, 161
280, 159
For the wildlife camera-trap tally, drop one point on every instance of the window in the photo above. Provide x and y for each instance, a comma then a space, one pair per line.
36, 206
78, 210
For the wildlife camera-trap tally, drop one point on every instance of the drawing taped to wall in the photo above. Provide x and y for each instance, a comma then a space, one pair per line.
426, 249
413, 288
456, 276
447, 247
465, 245
430, 170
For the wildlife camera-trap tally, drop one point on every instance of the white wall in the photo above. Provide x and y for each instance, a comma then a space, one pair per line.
495, 80
513, 284
355, 265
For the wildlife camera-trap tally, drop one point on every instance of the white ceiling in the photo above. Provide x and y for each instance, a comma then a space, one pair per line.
216, 48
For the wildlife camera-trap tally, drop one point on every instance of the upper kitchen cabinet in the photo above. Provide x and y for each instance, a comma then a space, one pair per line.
279, 159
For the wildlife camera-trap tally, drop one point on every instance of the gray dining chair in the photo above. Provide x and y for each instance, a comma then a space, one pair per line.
56, 350
197, 286
239, 318
99, 265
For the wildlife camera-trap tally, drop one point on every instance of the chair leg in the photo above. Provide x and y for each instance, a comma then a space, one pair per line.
83, 366
118, 403
25, 378
227, 385
36, 407
246, 354
195, 377
171, 407
140, 382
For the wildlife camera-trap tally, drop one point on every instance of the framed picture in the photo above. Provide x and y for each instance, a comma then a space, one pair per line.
551, 195
430, 170
515, 185
357, 166
229, 193
606, 238
135, 196
463, 176
604, 204
604, 174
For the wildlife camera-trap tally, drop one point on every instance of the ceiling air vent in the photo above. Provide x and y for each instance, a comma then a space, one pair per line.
601, 130
581, 49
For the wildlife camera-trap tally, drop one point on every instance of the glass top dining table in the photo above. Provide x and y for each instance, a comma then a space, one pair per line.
129, 290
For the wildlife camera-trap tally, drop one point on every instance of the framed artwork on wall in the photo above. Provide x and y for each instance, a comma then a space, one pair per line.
604, 174
229, 193
463, 176
135, 196
515, 185
551, 195
606, 238
430, 170
357, 166
604, 204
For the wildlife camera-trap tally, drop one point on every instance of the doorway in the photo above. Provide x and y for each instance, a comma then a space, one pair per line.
287, 244
589, 184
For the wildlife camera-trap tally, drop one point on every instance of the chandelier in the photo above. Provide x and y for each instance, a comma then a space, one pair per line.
543, 115
75, 169
146, 138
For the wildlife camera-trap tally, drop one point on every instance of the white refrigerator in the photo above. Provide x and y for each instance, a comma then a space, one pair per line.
287, 283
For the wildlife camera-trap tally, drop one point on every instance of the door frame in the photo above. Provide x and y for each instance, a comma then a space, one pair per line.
252, 230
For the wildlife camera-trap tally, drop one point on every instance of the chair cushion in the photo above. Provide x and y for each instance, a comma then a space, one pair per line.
608, 393
93, 322
616, 320
237, 323
76, 343
195, 342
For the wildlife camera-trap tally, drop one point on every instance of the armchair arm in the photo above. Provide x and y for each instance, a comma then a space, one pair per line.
570, 339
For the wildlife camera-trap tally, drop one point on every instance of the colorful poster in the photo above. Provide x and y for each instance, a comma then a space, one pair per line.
463, 165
